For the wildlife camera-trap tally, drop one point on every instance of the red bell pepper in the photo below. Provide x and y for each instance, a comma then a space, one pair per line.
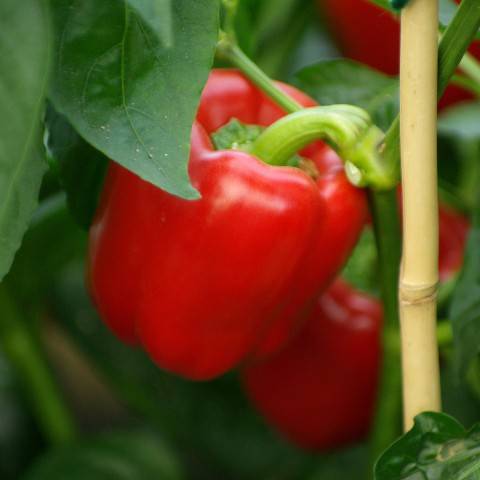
370, 35
320, 390
204, 285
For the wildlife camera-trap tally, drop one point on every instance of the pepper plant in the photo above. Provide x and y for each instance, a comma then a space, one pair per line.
201, 234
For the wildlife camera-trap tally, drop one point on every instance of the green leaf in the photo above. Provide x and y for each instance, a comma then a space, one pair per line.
81, 167
125, 92
460, 126
459, 151
25, 50
116, 456
157, 14
436, 448
461, 121
465, 307
42, 255
345, 81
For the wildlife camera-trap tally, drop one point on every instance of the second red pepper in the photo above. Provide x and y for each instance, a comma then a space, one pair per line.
320, 390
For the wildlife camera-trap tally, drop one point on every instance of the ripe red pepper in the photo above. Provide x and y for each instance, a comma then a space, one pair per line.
320, 390
204, 285
370, 35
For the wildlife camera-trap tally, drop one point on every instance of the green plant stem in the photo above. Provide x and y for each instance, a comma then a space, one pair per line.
230, 8
229, 51
387, 422
26, 356
332, 123
455, 41
347, 129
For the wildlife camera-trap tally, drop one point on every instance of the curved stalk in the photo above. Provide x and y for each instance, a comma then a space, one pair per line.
25, 354
228, 50
347, 129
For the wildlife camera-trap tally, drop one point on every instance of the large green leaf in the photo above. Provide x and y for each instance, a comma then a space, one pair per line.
117, 456
436, 448
25, 50
157, 14
345, 81
126, 91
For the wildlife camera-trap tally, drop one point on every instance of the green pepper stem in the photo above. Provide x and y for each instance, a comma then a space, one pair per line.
386, 424
24, 352
228, 50
348, 129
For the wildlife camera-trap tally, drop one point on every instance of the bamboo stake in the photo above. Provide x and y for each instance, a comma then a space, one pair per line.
419, 269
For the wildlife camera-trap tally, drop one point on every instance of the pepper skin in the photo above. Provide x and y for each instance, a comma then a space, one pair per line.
204, 285
320, 391
370, 35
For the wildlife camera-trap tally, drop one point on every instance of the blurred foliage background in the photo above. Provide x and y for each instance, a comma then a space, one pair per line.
137, 421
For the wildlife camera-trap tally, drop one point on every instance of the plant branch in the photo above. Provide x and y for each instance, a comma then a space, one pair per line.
228, 50
386, 425
25, 354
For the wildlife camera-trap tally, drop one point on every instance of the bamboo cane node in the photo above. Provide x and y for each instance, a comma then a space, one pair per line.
410, 294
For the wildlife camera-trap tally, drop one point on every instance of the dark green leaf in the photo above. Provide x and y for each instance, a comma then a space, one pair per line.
465, 307
460, 126
461, 121
25, 51
157, 14
436, 448
80, 166
51, 243
126, 92
459, 151
460, 399
345, 81
118, 456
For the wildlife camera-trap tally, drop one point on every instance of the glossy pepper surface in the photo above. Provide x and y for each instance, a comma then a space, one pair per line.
368, 34
205, 285
320, 390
